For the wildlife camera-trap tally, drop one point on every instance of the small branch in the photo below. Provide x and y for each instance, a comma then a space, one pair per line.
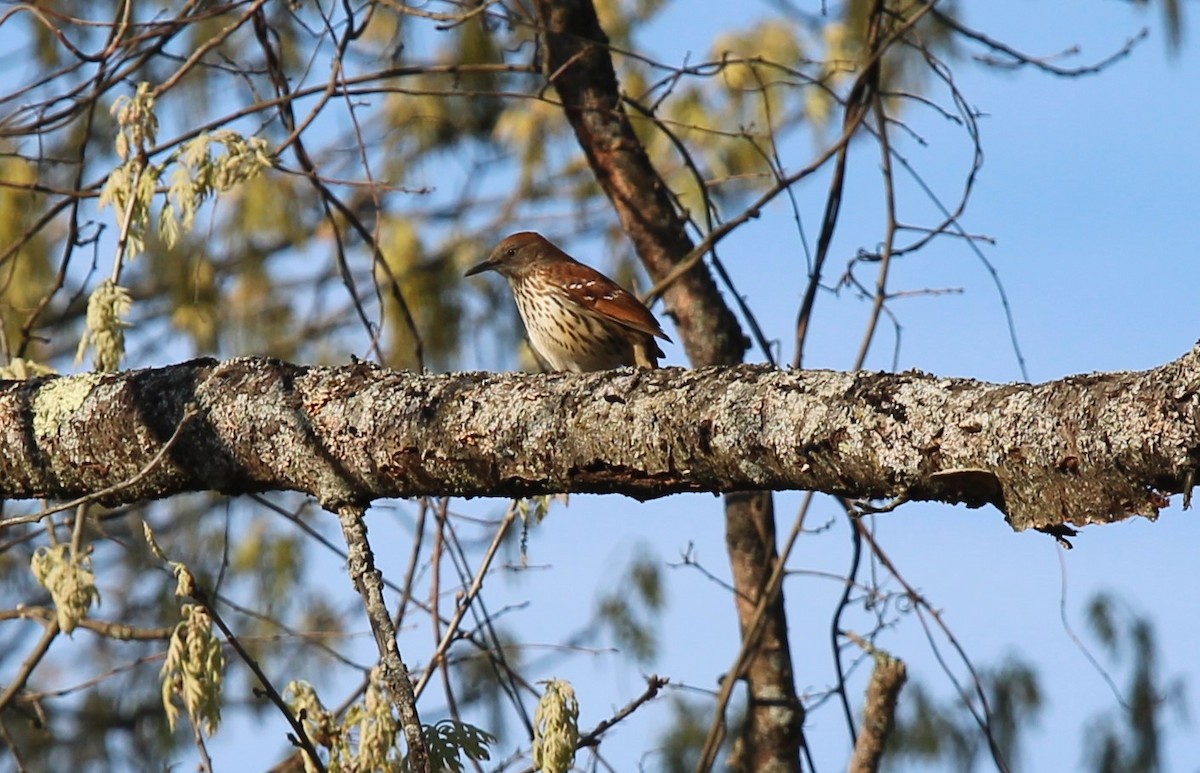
879, 713
22, 676
751, 636
654, 683
109, 630
369, 582
981, 715
205, 761
12, 747
1017, 59
127, 217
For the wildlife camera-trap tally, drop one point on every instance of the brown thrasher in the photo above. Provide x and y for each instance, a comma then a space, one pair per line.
577, 318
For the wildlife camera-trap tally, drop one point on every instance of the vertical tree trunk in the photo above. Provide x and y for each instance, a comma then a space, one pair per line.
578, 60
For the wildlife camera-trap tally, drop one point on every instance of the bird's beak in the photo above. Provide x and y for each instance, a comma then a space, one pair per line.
486, 265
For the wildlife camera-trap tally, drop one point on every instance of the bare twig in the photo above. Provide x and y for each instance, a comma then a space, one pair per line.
1016, 59
981, 716
654, 683
107, 629
49, 632
464, 603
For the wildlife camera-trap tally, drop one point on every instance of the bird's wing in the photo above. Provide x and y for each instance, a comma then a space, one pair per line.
600, 295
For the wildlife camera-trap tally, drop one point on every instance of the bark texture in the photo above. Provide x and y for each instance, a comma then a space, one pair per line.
368, 581
1086, 449
774, 724
879, 714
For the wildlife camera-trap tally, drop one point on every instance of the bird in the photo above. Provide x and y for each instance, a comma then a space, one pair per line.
578, 320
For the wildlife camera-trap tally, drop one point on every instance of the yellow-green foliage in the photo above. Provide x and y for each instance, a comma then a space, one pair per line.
432, 110
528, 128
198, 173
262, 315
757, 56
758, 91
837, 64
903, 67
619, 18
268, 209
474, 44
429, 285
194, 671
45, 46
137, 121
130, 187
105, 333
727, 119
629, 612
196, 302
556, 728
70, 581
247, 312
274, 562
21, 369
320, 724
418, 123
366, 737
200, 169
384, 28
26, 273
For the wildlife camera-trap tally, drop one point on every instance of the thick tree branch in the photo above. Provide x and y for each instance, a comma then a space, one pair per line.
1084, 449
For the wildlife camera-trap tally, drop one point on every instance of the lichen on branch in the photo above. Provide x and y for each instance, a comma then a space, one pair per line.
1084, 449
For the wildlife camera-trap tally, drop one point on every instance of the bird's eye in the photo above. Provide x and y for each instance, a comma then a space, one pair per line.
510, 252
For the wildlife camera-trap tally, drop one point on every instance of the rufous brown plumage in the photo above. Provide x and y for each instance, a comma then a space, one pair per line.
577, 319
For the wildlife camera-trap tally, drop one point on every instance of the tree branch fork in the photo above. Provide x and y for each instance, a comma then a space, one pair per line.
1084, 449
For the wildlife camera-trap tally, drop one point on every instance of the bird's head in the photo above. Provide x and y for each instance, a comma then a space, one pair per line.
517, 254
